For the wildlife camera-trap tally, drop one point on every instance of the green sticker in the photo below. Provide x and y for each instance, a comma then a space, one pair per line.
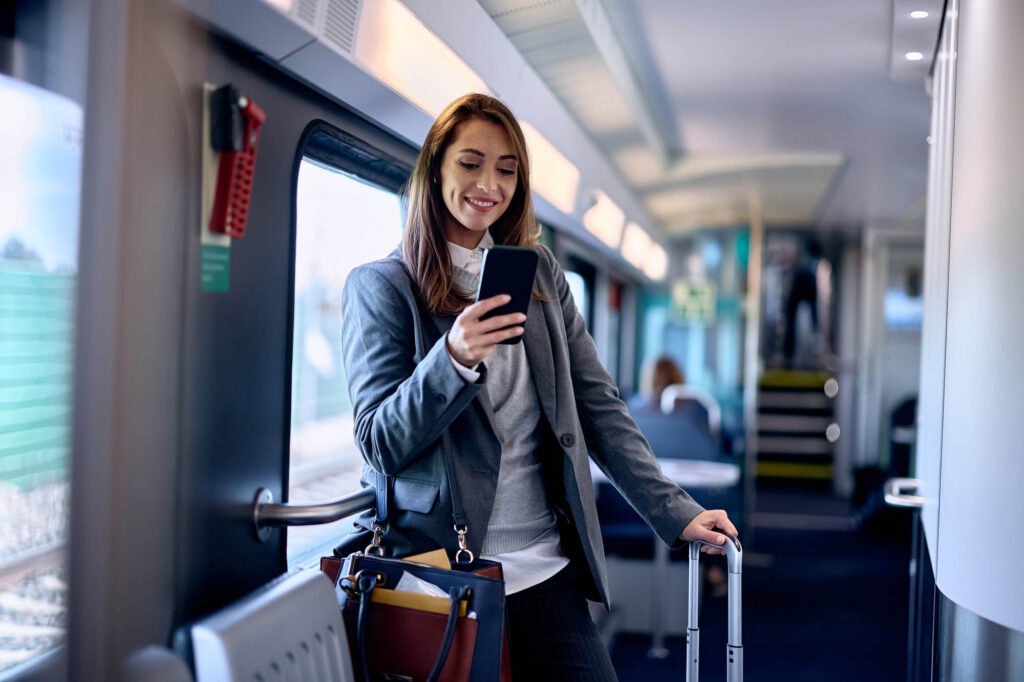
216, 268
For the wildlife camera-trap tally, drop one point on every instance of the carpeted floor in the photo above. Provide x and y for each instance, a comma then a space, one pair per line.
819, 604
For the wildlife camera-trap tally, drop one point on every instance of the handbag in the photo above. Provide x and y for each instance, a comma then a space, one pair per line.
400, 635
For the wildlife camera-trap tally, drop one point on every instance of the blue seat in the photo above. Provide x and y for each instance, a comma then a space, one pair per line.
676, 435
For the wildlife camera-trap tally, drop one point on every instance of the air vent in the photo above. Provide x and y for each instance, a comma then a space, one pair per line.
340, 24
502, 9
305, 11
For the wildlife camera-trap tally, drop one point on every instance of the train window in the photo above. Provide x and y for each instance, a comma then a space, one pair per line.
342, 221
582, 278
40, 171
578, 288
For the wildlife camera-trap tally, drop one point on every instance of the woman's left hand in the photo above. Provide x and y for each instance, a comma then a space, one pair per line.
702, 528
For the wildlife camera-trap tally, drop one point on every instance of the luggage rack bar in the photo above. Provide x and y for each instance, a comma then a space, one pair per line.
267, 515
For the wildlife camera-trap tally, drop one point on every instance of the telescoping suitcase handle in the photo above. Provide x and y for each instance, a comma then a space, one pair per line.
734, 645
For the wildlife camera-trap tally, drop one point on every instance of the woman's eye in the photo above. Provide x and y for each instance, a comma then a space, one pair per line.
469, 166
506, 171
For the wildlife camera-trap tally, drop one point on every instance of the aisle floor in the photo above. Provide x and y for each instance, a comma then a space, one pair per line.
825, 598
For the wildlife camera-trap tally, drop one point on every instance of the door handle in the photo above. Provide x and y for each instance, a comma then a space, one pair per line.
896, 494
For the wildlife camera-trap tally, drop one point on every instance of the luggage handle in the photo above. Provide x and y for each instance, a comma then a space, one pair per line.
734, 646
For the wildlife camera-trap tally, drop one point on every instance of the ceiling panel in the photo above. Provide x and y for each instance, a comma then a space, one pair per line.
799, 105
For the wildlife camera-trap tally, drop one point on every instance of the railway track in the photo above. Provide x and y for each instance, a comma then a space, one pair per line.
33, 605
33, 572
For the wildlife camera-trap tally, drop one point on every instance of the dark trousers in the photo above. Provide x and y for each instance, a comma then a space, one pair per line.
551, 634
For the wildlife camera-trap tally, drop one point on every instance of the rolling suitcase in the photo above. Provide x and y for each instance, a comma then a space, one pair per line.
734, 645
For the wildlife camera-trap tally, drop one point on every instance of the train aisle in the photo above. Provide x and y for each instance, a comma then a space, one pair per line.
821, 602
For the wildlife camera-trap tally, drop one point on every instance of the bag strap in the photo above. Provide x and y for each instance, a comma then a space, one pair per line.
464, 555
366, 584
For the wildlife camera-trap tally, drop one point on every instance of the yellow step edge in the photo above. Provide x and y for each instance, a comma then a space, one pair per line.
794, 470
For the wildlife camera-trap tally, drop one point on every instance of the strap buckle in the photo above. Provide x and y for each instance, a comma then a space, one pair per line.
463, 549
374, 546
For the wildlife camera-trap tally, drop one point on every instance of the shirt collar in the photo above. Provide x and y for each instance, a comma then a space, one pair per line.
470, 259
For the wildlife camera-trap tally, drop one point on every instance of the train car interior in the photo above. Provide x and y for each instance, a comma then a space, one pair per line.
792, 229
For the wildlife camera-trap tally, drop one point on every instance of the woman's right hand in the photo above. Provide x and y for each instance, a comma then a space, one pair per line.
472, 339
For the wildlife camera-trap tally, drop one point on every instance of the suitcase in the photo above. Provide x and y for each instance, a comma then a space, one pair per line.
734, 645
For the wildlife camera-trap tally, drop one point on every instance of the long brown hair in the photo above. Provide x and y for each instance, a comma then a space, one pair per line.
659, 374
424, 246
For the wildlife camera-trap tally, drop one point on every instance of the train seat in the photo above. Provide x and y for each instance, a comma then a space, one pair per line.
289, 629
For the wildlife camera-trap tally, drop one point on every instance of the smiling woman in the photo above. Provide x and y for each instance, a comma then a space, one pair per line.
478, 179
474, 151
498, 448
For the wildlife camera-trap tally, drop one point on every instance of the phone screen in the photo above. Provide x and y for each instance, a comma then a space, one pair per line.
508, 270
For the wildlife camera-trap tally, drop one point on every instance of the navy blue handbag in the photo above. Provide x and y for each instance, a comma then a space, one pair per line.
396, 642
392, 641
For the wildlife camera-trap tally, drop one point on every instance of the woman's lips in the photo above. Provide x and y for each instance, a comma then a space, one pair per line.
481, 205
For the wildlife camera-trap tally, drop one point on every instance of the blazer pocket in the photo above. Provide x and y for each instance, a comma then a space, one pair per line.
416, 496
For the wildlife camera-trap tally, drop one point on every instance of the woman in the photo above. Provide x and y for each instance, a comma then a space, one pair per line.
657, 375
436, 398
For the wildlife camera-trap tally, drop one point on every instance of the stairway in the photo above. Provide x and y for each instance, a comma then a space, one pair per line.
796, 428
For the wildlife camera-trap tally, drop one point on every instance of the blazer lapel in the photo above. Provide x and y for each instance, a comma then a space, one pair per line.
538, 353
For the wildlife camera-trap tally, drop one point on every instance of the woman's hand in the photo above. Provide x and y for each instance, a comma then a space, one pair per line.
702, 528
472, 339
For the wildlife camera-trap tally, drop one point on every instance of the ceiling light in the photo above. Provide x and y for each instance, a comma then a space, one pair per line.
635, 245
914, 56
553, 176
656, 266
398, 49
605, 220
283, 5
918, 14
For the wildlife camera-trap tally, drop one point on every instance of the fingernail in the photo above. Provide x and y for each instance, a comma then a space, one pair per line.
720, 540
506, 297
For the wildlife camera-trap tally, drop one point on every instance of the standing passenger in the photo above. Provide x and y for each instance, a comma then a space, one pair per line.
428, 376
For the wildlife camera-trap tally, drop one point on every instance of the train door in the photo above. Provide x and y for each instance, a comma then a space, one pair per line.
184, 391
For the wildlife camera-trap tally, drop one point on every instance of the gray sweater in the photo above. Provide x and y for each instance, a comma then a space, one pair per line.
521, 515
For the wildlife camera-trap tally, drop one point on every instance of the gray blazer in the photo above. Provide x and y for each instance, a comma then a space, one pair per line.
409, 403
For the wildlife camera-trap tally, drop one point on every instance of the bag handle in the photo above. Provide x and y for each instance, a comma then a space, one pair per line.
384, 484
366, 581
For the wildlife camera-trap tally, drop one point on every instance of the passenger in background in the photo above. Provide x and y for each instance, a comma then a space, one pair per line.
657, 375
438, 402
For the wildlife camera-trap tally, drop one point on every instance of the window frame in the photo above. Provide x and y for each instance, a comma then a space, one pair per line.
332, 147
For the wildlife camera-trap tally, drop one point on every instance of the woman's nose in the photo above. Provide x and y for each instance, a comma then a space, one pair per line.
488, 181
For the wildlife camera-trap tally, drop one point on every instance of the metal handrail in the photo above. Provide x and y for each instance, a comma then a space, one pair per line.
896, 494
267, 515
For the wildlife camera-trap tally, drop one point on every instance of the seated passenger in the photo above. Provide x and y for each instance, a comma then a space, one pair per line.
658, 375
434, 391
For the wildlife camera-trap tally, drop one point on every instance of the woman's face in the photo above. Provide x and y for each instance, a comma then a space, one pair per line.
479, 174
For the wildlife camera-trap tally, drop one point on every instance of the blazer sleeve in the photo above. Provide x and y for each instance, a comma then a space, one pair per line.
613, 439
400, 406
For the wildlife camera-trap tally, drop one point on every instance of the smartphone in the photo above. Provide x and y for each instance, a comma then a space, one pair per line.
508, 270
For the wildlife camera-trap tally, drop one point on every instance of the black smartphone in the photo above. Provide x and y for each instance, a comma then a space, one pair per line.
508, 270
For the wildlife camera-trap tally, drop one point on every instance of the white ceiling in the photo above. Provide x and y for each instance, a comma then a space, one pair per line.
806, 108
